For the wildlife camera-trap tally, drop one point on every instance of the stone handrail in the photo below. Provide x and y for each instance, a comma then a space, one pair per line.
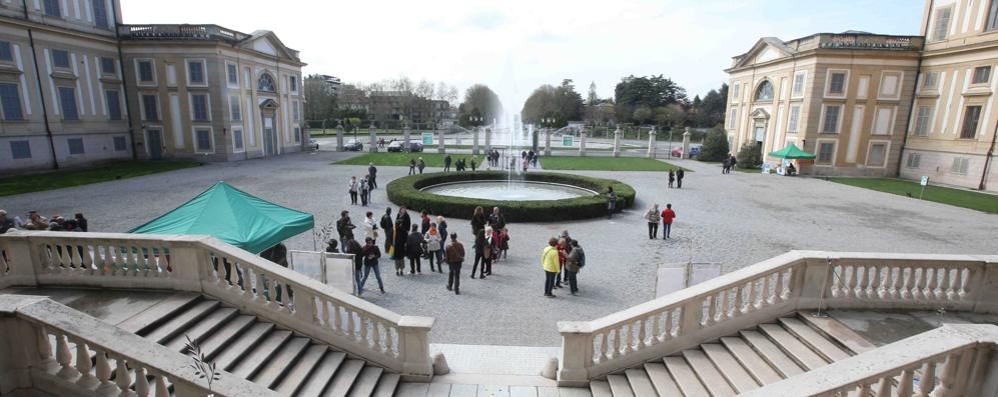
206, 265
799, 280
61, 351
954, 360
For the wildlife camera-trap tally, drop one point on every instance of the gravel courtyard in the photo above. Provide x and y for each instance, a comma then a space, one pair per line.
736, 220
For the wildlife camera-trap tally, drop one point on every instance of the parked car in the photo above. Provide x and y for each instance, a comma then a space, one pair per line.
678, 151
395, 146
353, 146
313, 144
415, 147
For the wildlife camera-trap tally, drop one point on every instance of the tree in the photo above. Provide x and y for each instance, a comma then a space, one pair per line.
715, 145
593, 98
479, 100
710, 110
651, 92
750, 155
562, 103
320, 101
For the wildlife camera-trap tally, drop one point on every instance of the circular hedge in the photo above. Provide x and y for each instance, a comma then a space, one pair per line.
406, 192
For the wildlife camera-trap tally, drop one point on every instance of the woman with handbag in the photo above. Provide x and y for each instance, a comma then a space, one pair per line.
432, 239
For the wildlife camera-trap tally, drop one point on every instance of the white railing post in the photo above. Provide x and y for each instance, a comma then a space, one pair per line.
188, 262
576, 353
414, 348
19, 258
986, 300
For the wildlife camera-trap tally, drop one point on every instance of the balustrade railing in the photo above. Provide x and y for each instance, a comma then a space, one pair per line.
236, 277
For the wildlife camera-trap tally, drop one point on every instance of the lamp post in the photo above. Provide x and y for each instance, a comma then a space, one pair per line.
547, 123
476, 122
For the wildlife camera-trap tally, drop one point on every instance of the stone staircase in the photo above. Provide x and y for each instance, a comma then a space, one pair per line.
258, 350
736, 364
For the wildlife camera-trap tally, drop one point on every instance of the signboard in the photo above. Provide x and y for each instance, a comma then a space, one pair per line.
568, 141
925, 180
427, 138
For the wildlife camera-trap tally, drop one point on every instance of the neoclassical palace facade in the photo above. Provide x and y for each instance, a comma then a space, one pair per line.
77, 87
878, 105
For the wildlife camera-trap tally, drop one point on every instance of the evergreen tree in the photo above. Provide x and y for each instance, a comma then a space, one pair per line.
715, 145
750, 155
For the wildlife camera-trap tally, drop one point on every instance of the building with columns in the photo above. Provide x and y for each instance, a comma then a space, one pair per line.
79, 87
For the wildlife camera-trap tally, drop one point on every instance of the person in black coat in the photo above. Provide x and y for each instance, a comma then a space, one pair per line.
402, 221
478, 220
679, 178
398, 248
414, 250
354, 247
388, 227
482, 251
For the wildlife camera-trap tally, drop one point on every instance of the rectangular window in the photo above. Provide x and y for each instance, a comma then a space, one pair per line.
799, 81
913, 160
107, 66
970, 119
52, 8
113, 104
890, 85
884, 120
233, 74
831, 122
203, 139
732, 117
150, 108
20, 150
120, 144
199, 107
67, 99
60, 58
294, 83
146, 74
826, 152
75, 145
195, 72
734, 92
837, 83
100, 14
234, 108
297, 135
930, 80
295, 111
992, 16
794, 122
922, 120
941, 29
247, 82
960, 165
10, 102
237, 139
5, 52
878, 154
981, 75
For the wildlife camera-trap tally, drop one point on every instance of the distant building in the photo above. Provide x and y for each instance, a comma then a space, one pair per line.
388, 109
333, 83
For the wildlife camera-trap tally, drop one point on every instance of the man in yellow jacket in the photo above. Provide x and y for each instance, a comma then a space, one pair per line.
549, 260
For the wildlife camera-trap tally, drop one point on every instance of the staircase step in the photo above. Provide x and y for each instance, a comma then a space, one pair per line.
687, 381
732, 370
387, 385
261, 354
600, 388
279, 364
640, 382
796, 349
182, 321
244, 343
660, 378
319, 378
772, 354
213, 344
202, 329
159, 312
835, 330
813, 339
295, 378
709, 375
341, 383
366, 382
751, 361
619, 386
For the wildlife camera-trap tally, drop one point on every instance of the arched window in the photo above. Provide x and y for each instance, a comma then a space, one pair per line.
267, 83
764, 92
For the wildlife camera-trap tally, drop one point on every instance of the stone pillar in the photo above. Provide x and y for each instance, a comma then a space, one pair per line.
440, 142
686, 143
339, 137
582, 144
474, 141
414, 348
652, 144
576, 353
616, 142
374, 140
547, 142
406, 135
488, 140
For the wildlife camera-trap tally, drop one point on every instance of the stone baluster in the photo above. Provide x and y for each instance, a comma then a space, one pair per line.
161, 389
904, 384
928, 380
83, 363
954, 284
604, 347
864, 389
877, 289
656, 331
351, 329
618, 341
338, 319
740, 299
948, 378
64, 357
943, 282
752, 297
780, 286
141, 382
103, 371
642, 337
890, 288
931, 276
885, 386
364, 322
44, 346
121, 375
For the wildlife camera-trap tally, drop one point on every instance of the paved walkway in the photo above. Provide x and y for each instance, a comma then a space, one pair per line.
736, 220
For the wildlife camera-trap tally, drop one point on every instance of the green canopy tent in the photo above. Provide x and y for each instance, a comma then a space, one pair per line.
792, 152
233, 216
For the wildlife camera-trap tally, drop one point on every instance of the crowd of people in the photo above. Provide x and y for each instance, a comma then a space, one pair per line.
562, 260
35, 221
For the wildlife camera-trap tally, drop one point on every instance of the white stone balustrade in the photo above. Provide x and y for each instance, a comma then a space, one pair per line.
206, 265
799, 280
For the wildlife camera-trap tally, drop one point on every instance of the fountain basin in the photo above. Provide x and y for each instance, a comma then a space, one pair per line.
518, 190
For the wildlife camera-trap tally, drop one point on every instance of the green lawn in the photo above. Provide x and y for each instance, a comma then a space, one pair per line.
605, 164
958, 197
402, 159
66, 178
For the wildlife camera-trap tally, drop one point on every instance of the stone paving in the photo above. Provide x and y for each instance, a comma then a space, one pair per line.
736, 220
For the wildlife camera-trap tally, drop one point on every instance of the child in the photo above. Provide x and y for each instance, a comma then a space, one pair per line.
503, 242
672, 178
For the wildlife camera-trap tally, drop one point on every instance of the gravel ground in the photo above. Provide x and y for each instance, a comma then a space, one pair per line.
736, 220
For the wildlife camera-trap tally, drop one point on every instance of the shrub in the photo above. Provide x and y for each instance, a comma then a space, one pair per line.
715, 145
406, 192
750, 155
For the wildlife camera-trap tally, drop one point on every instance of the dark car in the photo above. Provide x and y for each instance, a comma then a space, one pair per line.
313, 144
353, 146
415, 147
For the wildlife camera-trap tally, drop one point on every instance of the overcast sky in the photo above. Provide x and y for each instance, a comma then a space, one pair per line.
515, 46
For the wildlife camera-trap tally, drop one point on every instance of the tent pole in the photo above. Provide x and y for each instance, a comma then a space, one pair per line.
313, 238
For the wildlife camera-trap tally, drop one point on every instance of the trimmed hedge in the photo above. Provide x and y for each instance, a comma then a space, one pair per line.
405, 192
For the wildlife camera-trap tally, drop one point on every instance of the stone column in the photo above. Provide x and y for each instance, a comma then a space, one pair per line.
576, 353
652, 144
616, 142
686, 143
414, 348
374, 140
547, 142
339, 137
440, 142
582, 144
488, 140
474, 141
406, 135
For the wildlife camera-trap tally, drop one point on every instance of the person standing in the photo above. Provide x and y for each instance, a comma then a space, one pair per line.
667, 216
370, 226
402, 220
372, 174
573, 264
345, 227
478, 220
424, 225
672, 178
365, 192
5, 222
725, 165
455, 258
412, 166
447, 161
549, 262
413, 250
496, 220
473, 163
611, 202
354, 247
399, 237
442, 229
733, 161
352, 188
481, 250
421, 165
432, 238
386, 225
653, 218
679, 178
371, 256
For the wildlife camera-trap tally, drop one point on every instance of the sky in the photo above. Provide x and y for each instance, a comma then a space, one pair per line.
515, 46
